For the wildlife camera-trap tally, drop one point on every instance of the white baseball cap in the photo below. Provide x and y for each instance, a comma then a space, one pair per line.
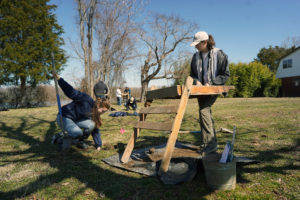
131, 99
198, 37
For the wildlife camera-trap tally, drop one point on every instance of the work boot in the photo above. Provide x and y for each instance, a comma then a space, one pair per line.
209, 148
56, 137
82, 145
64, 143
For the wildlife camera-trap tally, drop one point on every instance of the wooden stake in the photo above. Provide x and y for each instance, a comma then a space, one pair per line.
130, 146
176, 126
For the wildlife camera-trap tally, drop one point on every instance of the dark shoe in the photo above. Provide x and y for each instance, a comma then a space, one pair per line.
64, 143
85, 135
82, 145
210, 148
56, 137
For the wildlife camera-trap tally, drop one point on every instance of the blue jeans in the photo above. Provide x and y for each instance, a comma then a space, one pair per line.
119, 100
74, 129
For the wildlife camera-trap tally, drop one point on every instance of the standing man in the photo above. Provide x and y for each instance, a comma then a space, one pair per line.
209, 67
119, 96
101, 90
127, 94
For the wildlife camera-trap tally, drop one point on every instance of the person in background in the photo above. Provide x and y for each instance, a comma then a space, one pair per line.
126, 94
119, 96
101, 90
131, 103
80, 118
209, 66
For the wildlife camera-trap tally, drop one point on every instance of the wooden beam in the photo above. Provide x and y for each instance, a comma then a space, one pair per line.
130, 146
208, 90
159, 110
176, 126
153, 125
176, 91
169, 92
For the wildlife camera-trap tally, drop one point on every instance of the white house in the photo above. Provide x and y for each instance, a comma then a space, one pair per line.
289, 73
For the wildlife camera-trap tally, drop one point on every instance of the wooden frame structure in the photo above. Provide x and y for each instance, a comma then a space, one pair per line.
182, 92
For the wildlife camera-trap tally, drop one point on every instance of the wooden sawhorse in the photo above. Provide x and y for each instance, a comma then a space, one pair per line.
184, 92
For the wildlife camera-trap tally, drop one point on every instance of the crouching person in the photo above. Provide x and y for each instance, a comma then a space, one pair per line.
80, 118
131, 103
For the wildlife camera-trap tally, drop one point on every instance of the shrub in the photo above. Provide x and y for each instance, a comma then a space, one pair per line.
253, 80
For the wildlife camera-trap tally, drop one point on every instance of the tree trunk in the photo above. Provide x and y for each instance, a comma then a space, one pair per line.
144, 90
90, 44
82, 16
22, 93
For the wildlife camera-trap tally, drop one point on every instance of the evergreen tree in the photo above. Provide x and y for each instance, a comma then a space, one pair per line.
28, 34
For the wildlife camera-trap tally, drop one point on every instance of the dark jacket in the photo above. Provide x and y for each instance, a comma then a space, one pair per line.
133, 104
218, 68
81, 106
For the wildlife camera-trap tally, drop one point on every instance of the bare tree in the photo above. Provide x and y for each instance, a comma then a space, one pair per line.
115, 29
290, 42
86, 10
164, 35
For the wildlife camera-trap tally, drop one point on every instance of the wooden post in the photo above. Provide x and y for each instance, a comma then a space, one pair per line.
130, 145
176, 126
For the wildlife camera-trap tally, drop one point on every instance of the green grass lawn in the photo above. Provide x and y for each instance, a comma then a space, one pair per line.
268, 130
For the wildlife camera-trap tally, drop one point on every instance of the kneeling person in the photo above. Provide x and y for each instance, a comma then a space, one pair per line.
131, 103
81, 117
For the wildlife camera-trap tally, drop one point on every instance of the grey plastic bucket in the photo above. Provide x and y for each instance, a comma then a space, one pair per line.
219, 176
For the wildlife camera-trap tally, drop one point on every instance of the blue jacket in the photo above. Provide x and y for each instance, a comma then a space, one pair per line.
80, 108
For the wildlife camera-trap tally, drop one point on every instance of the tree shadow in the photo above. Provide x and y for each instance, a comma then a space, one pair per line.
266, 160
73, 164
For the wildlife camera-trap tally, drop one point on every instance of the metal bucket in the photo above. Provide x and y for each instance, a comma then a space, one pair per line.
219, 176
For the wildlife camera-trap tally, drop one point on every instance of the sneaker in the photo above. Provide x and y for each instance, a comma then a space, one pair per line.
55, 137
82, 145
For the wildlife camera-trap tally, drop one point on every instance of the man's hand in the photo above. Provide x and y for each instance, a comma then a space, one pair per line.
198, 83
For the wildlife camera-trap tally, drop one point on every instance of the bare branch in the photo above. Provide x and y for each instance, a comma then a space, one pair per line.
167, 33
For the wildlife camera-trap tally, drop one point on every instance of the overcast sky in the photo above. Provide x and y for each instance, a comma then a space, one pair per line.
240, 27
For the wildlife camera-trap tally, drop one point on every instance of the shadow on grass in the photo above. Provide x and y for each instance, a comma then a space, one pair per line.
82, 168
269, 161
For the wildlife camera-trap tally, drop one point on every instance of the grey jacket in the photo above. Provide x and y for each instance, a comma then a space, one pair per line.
218, 68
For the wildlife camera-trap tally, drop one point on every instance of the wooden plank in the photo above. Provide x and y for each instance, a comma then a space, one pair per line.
153, 125
130, 146
183, 132
169, 92
207, 90
176, 91
159, 110
176, 126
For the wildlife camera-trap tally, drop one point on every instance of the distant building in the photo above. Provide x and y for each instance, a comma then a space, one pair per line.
289, 73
